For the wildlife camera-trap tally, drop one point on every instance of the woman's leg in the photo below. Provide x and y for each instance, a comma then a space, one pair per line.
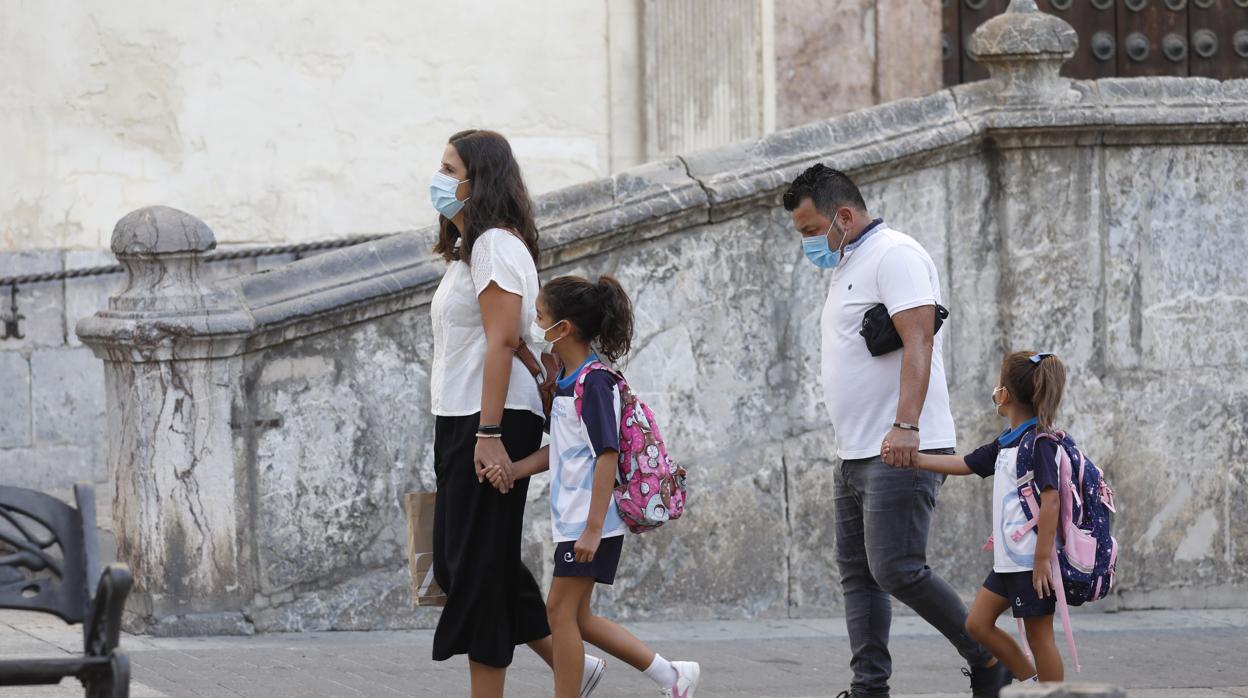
487, 681
1044, 647
981, 625
613, 639
565, 598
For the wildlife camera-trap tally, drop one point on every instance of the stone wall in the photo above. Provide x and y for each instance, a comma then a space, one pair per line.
1100, 220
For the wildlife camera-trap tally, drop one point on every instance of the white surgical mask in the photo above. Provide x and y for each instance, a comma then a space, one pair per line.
537, 337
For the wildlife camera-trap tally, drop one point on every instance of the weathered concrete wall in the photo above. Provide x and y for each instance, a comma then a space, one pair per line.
1048, 247
1112, 256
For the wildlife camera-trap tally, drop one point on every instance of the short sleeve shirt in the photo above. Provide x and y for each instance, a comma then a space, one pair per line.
500, 258
999, 460
575, 444
861, 391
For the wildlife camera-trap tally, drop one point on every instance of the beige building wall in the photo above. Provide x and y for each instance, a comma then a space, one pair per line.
292, 121
838, 56
277, 121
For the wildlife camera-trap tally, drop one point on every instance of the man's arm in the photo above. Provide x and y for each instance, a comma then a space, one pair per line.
916, 327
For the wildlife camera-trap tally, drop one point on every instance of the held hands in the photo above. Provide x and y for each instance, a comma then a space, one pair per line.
587, 545
900, 448
491, 462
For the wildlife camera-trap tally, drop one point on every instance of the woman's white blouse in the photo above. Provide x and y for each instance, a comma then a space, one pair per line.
498, 257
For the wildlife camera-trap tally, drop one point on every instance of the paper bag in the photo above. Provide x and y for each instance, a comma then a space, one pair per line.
425, 591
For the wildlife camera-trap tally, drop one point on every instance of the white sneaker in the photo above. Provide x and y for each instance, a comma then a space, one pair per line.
688, 674
591, 677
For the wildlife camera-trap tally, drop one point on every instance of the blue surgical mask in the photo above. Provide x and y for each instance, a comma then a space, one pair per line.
820, 253
442, 194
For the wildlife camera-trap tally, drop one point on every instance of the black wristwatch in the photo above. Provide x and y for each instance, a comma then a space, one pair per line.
490, 429
907, 427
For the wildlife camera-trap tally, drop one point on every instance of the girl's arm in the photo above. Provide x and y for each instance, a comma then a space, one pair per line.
604, 483
1046, 530
537, 462
949, 465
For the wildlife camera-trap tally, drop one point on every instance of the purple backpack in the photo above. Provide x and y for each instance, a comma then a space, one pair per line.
650, 489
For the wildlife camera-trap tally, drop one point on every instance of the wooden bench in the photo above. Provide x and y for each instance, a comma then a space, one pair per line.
47, 563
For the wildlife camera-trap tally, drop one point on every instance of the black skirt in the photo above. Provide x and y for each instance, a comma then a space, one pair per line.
493, 603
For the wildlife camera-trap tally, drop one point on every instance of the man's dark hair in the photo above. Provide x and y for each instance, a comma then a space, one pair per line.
828, 190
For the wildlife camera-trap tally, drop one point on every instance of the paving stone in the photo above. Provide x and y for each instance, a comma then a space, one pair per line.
1153, 654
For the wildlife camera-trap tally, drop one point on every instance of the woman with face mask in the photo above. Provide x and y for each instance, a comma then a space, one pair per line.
488, 411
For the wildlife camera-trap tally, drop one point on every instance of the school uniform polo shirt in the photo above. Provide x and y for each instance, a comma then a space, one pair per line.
999, 460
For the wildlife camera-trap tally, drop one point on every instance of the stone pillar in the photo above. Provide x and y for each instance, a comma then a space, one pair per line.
708, 73
1062, 690
170, 341
1023, 49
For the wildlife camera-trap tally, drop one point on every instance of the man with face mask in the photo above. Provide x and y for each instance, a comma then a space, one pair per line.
882, 513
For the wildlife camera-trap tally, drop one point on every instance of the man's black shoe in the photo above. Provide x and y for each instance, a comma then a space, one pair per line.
987, 682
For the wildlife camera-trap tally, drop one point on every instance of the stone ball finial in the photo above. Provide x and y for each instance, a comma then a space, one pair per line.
161, 230
1024, 48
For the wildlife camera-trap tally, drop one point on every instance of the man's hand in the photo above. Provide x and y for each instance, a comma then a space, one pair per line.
587, 545
903, 445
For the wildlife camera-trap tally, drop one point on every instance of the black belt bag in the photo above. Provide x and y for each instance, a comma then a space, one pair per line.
880, 333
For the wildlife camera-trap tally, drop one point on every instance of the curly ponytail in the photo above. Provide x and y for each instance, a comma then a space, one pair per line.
601, 312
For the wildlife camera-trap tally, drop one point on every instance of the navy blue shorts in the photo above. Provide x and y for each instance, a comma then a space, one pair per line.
602, 569
1017, 587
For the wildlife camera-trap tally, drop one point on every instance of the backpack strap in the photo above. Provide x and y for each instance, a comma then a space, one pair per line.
579, 387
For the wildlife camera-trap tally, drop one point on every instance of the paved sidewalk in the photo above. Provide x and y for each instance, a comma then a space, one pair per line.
1176, 654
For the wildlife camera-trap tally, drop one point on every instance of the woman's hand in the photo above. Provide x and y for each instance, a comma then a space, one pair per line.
1042, 577
587, 545
490, 452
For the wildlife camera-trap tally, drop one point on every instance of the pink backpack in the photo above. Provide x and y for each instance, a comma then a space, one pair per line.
651, 488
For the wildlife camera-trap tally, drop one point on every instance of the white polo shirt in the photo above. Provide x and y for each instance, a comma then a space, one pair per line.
861, 391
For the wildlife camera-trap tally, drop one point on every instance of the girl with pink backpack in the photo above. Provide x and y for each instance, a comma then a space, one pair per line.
609, 474
1051, 511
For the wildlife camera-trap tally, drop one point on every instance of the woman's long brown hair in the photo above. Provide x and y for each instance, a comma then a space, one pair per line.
499, 198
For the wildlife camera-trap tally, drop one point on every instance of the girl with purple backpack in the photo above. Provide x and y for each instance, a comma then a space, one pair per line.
1022, 579
574, 316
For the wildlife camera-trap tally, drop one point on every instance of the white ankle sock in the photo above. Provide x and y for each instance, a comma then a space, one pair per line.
662, 672
591, 663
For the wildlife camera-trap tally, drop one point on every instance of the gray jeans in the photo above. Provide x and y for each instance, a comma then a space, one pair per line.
882, 518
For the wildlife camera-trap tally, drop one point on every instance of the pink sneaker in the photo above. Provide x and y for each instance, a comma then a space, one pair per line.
688, 674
